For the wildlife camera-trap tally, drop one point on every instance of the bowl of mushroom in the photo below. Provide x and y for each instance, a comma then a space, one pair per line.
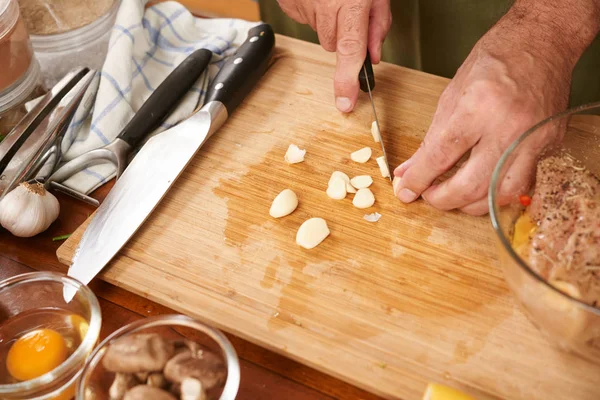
164, 358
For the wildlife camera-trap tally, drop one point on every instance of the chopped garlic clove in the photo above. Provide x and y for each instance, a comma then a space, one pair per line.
385, 172
375, 132
361, 156
339, 174
311, 233
350, 188
337, 189
294, 154
372, 217
284, 204
364, 198
361, 181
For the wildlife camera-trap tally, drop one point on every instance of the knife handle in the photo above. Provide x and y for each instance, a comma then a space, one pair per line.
370, 75
165, 97
242, 70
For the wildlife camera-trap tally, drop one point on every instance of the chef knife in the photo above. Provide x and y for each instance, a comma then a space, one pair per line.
161, 160
367, 83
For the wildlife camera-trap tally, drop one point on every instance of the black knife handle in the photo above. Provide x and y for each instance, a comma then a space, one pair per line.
242, 70
165, 97
361, 75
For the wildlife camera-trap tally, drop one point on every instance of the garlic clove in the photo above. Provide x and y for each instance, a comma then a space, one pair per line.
361, 156
337, 189
28, 210
339, 174
364, 198
294, 154
361, 181
385, 172
284, 204
350, 188
311, 233
375, 132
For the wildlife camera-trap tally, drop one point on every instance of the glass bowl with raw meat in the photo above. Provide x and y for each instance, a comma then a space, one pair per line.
545, 208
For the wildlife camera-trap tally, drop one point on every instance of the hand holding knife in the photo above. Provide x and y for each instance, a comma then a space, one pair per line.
366, 78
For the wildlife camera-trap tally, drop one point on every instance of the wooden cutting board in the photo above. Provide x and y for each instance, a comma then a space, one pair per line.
388, 306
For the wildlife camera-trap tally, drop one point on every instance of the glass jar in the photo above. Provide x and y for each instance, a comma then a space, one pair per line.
41, 293
562, 317
95, 380
69, 33
20, 70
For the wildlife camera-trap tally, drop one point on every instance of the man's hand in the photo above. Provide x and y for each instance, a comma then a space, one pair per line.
347, 27
518, 74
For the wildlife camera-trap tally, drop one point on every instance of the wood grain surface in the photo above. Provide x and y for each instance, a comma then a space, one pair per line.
387, 306
264, 374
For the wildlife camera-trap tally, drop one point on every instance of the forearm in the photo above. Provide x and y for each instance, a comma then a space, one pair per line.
560, 29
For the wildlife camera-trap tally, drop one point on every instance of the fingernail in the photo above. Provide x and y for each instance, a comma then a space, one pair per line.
407, 196
343, 104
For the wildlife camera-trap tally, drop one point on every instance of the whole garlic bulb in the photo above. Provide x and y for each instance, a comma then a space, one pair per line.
28, 210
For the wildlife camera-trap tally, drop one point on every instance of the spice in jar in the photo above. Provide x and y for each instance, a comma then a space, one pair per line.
48, 17
16, 52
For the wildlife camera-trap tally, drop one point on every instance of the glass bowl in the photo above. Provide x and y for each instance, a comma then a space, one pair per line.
28, 299
560, 315
95, 380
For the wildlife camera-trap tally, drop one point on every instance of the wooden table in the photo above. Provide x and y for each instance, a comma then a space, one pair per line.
265, 375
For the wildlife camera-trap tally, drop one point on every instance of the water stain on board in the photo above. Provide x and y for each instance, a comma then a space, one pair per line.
400, 286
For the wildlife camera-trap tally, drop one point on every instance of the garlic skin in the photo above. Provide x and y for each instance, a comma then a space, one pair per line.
28, 210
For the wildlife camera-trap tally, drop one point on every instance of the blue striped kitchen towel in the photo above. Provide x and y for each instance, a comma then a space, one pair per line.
146, 44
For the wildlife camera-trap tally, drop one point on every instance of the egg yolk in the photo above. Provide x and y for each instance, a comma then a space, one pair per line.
35, 354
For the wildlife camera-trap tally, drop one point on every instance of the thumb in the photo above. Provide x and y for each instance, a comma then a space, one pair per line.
352, 35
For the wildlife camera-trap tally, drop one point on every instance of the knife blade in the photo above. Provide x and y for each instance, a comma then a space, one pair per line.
161, 160
367, 84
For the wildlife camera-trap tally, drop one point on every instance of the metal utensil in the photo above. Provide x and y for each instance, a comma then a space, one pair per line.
27, 149
367, 83
152, 113
162, 159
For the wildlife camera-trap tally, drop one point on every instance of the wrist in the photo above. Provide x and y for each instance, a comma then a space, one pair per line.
559, 31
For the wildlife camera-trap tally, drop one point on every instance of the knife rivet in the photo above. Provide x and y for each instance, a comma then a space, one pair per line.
253, 39
238, 60
219, 86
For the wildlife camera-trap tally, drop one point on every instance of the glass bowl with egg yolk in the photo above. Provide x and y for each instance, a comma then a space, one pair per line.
44, 341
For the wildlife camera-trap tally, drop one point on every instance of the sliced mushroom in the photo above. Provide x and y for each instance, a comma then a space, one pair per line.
120, 386
191, 389
138, 353
145, 392
209, 369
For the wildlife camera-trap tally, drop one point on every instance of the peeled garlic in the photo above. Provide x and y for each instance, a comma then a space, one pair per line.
375, 132
372, 217
284, 204
294, 154
311, 233
350, 188
337, 189
28, 210
339, 174
364, 198
361, 181
361, 156
385, 172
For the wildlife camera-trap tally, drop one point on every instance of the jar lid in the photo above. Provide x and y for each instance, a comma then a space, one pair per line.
9, 13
